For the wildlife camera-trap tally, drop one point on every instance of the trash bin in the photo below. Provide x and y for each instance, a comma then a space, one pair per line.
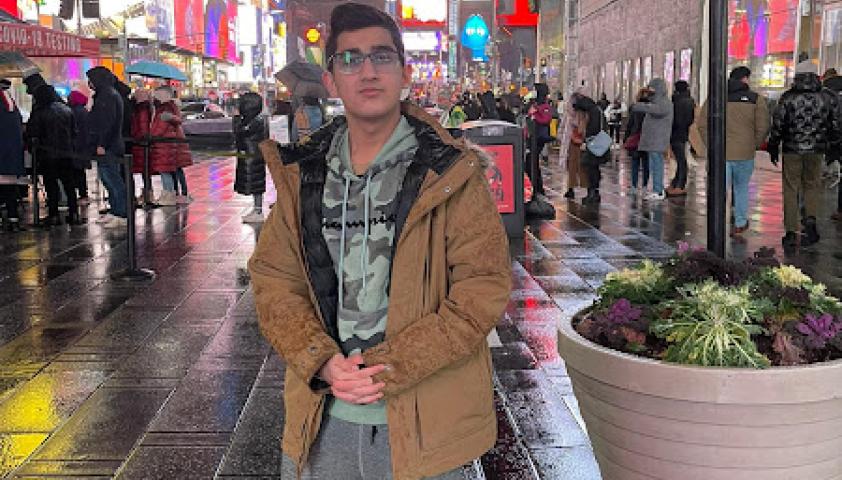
503, 142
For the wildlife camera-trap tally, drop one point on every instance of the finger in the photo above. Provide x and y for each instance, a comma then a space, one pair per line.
370, 399
366, 391
351, 384
356, 359
362, 373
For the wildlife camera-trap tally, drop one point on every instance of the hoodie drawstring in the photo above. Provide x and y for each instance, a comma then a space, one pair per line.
342, 244
366, 230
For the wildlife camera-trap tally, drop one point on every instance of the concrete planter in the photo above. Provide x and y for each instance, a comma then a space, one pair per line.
653, 420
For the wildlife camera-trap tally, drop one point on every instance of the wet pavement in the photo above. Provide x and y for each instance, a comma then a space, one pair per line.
172, 380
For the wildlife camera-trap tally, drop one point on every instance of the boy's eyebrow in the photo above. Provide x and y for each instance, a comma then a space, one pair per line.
375, 48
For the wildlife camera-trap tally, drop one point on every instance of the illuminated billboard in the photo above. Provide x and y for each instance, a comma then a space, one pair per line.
422, 41
423, 13
189, 25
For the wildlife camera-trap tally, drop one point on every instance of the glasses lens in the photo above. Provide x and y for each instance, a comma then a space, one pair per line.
384, 58
350, 62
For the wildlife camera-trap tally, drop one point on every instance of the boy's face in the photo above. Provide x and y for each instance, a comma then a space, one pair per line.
368, 91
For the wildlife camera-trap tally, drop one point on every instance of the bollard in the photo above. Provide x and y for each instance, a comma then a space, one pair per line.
36, 209
148, 202
132, 273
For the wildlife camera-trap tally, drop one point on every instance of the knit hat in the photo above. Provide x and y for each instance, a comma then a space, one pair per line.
77, 98
805, 67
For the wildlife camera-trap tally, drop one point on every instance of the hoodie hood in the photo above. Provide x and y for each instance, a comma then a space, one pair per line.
659, 86
807, 82
101, 77
77, 98
834, 83
124, 90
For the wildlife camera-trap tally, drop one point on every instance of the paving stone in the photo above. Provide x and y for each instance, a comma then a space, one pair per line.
166, 463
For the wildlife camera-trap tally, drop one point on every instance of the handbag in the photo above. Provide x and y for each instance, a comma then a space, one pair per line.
599, 144
632, 142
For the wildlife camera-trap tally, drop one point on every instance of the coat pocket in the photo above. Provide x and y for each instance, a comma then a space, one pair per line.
455, 402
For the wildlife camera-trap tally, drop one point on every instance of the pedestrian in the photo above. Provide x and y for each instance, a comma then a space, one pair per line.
11, 156
592, 120
251, 169
655, 136
603, 102
78, 102
574, 124
639, 159
142, 112
684, 111
489, 106
471, 107
504, 112
308, 116
833, 82
806, 127
614, 115
166, 157
51, 135
747, 124
105, 125
380, 290
541, 113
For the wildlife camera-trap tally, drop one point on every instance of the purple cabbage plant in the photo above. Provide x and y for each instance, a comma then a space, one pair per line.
819, 330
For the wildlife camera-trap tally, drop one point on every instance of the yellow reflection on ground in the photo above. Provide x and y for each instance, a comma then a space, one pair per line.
17, 447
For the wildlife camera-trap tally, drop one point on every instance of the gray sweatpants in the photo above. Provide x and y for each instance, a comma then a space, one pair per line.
348, 451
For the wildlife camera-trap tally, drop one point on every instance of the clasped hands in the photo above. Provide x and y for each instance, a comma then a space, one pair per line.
352, 382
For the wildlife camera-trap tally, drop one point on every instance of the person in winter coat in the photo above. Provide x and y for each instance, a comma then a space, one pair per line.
167, 158
541, 113
106, 140
603, 103
125, 92
655, 136
572, 134
471, 107
747, 124
639, 159
250, 130
504, 112
11, 155
489, 106
589, 161
378, 276
51, 135
32, 82
684, 110
806, 124
78, 102
142, 110
833, 82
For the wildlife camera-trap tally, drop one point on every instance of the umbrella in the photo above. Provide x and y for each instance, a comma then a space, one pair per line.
303, 79
16, 65
157, 70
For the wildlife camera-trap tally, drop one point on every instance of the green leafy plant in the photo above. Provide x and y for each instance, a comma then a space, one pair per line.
642, 285
712, 325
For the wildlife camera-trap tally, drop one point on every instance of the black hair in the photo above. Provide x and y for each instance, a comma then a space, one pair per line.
682, 86
740, 73
350, 17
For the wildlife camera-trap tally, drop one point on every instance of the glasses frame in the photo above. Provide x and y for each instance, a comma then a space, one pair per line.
366, 56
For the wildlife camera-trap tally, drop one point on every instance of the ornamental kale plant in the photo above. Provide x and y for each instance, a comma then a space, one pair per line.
698, 309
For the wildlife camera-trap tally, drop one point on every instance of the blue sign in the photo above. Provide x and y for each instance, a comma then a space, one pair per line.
475, 36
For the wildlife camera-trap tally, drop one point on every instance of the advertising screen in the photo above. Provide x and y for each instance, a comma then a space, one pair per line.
232, 32
423, 13
501, 176
422, 41
189, 25
783, 24
217, 29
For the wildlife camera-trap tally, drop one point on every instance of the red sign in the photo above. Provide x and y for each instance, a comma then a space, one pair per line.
10, 6
501, 176
35, 41
523, 16
190, 25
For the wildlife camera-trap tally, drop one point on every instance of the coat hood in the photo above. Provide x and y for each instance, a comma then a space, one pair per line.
659, 86
807, 82
32, 82
45, 95
250, 105
834, 83
124, 90
101, 77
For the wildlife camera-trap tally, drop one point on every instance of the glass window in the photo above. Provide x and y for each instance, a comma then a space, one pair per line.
831, 46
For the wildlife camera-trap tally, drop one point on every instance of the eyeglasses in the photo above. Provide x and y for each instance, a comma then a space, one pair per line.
351, 61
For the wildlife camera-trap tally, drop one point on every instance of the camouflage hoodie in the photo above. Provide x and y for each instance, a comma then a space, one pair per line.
359, 228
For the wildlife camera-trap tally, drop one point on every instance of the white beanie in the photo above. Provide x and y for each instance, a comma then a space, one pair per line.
807, 66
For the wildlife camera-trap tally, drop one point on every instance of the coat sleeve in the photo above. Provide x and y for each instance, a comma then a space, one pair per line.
480, 283
102, 116
779, 120
656, 109
761, 121
286, 315
835, 133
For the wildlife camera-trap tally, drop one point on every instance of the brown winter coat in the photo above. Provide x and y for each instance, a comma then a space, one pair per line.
451, 277
746, 122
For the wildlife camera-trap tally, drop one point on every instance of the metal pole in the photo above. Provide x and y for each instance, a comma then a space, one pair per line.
716, 219
132, 273
36, 210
